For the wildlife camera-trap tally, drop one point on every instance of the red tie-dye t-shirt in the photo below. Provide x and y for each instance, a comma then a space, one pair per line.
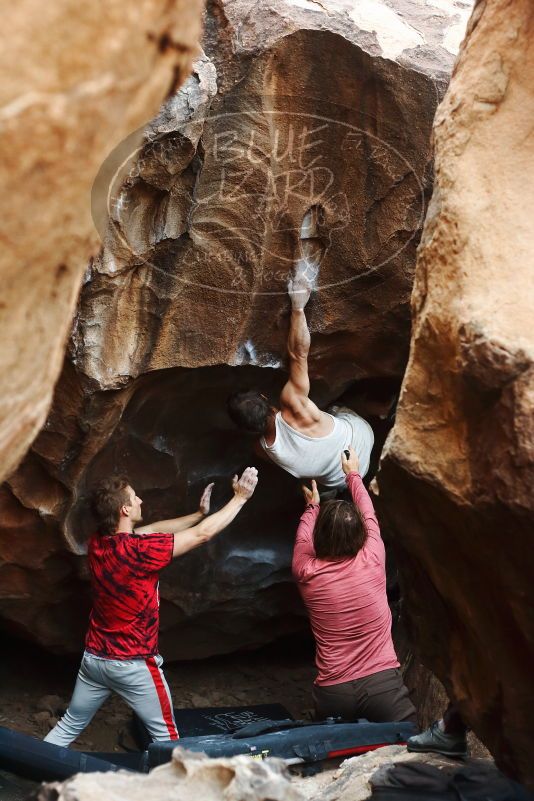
125, 569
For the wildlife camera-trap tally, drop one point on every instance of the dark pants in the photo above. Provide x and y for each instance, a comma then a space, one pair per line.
381, 697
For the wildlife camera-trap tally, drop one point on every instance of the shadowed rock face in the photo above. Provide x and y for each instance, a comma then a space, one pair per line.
458, 470
301, 135
173, 438
170, 434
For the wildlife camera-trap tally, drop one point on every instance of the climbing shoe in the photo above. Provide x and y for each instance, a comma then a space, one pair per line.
435, 740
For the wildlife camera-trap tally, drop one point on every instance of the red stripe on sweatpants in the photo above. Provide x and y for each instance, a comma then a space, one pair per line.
163, 698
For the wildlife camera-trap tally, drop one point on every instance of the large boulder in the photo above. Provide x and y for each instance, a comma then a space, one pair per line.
457, 476
74, 77
303, 133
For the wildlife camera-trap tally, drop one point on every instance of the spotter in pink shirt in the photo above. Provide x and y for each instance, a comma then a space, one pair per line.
346, 598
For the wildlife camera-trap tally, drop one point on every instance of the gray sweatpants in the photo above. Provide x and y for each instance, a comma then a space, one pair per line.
140, 682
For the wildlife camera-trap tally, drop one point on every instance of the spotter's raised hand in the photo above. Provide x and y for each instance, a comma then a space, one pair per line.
244, 487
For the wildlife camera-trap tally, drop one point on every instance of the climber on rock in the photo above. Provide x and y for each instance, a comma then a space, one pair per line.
339, 567
297, 435
121, 646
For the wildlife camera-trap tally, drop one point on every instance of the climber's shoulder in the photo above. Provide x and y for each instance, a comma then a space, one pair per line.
300, 412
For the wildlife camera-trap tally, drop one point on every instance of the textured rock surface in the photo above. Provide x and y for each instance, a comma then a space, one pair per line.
188, 777
459, 469
315, 146
288, 161
86, 75
193, 776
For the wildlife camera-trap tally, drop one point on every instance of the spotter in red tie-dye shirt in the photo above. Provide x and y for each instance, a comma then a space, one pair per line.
125, 569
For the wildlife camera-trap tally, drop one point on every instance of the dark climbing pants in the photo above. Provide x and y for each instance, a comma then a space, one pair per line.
379, 698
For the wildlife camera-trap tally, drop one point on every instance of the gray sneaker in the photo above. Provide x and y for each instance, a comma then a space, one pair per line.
435, 740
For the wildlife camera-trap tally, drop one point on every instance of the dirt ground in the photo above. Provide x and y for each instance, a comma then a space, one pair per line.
35, 689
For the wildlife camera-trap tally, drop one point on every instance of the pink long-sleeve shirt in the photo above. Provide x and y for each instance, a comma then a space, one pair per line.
346, 599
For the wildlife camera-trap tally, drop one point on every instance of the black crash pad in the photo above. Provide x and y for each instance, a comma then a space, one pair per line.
202, 721
13, 788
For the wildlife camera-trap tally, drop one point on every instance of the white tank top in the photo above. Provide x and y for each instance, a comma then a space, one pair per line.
320, 457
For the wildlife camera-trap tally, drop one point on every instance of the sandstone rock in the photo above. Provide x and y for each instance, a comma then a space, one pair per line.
456, 480
303, 133
288, 161
188, 777
74, 78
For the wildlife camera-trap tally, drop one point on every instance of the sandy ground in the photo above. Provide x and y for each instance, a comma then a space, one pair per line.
36, 687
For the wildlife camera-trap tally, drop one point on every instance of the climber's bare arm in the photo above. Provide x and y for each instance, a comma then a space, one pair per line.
297, 389
294, 396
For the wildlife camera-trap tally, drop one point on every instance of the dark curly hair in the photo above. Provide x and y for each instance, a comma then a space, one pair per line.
340, 530
249, 410
106, 500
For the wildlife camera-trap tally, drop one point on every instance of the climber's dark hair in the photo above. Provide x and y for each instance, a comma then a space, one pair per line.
249, 410
106, 500
340, 530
